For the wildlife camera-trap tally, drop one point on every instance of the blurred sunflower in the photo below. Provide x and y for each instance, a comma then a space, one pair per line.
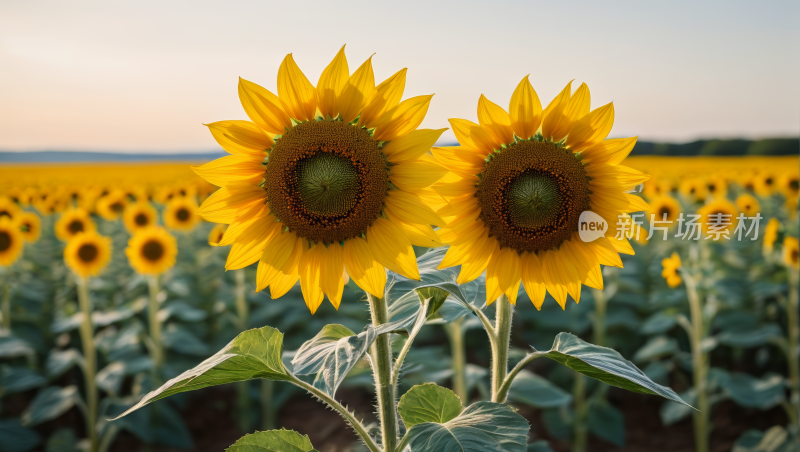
139, 215
719, 214
181, 214
748, 204
111, 205
87, 253
73, 222
152, 250
515, 195
43, 201
338, 192
693, 190
717, 187
791, 252
19, 196
771, 234
665, 208
670, 267
8, 208
216, 234
747, 181
30, 226
764, 183
11, 241
788, 184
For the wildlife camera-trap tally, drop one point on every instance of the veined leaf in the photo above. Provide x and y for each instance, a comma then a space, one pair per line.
273, 441
49, 403
311, 355
429, 403
533, 390
252, 354
341, 358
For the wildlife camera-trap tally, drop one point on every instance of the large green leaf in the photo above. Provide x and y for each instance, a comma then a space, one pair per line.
252, 354
310, 357
49, 403
482, 427
533, 390
273, 441
751, 392
606, 422
429, 403
16, 438
604, 364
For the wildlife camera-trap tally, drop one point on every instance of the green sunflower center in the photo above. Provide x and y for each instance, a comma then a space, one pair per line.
531, 195
326, 180
5, 241
152, 250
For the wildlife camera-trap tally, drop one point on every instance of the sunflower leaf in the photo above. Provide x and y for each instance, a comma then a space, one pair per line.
252, 354
429, 403
604, 364
273, 441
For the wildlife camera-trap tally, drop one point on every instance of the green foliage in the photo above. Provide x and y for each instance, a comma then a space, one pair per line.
429, 403
273, 441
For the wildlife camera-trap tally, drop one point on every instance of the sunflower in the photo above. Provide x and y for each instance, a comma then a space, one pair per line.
152, 250
515, 194
788, 184
43, 201
87, 253
19, 196
216, 234
339, 190
73, 222
670, 270
694, 190
764, 184
718, 215
748, 204
11, 241
30, 226
139, 215
8, 208
665, 208
111, 205
771, 234
181, 214
717, 187
791, 252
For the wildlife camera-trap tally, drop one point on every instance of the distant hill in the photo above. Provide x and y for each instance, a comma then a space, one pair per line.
106, 157
770, 146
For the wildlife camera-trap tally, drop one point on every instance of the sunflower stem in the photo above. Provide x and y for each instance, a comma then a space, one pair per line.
502, 329
698, 365
455, 332
794, 343
579, 422
242, 317
90, 363
381, 352
155, 327
267, 409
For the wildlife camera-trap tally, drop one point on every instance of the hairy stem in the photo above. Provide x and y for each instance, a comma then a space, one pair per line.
381, 352
90, 363
242, 388
698, 365
407, 346
502, 394
581, 410
359, 428
455, 332
794, 344
502, 328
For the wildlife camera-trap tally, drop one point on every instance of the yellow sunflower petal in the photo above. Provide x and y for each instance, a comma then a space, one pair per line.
493, 118
310, 277
290, 273
532, 279
222, 205
332, 271
564, 110
409, 207
412, 145
592, 128
460, 161
232, 170
387, 96
556, 287
525, 110
241, 137
404, 118
508, 268
331, 84
605, 252
611, 152
275, 255
366, 272
249, 245
263, 107
418, 234
359, 89
297, 94
473, 136
412, 176
390, 246
245, 218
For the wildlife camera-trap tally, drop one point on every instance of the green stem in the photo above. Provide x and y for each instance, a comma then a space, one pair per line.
701, 417
267, 409
6, 307
243, 315
381, 352
600, 305
581, 410
794, 342
155, 327
407, 346
502, 394
502, 329
455, 332
90, 363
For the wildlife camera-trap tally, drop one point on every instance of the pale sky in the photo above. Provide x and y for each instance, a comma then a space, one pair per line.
145, 75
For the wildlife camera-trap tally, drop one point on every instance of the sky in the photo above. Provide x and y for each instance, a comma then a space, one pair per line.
145, 75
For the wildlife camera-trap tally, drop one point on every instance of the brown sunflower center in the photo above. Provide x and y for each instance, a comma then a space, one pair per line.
88, 252
5, 213
5, 241
532, 194
116, 207
326, 181
794, 184
795, 255
141, 219
182, 214
75, 226
153, 250
663, 212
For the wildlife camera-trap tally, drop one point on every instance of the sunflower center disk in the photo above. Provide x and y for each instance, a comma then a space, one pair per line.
5, 241
153, 250
532, 194
326, 181
87, 253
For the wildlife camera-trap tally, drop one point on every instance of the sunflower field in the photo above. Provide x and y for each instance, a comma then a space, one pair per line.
449, 272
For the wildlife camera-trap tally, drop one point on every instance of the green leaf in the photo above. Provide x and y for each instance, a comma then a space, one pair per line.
655, 348
659, 323
311, 355
252, 354
539, 446
60, 361
178, 338
49, 404
342, 357
750, 338
63, 440
16, 438
606, 422
533, 390
671, 412
429, 403
12, 347
273, 441
482, 427
751, 392
604, 364
19, 379
772, 440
